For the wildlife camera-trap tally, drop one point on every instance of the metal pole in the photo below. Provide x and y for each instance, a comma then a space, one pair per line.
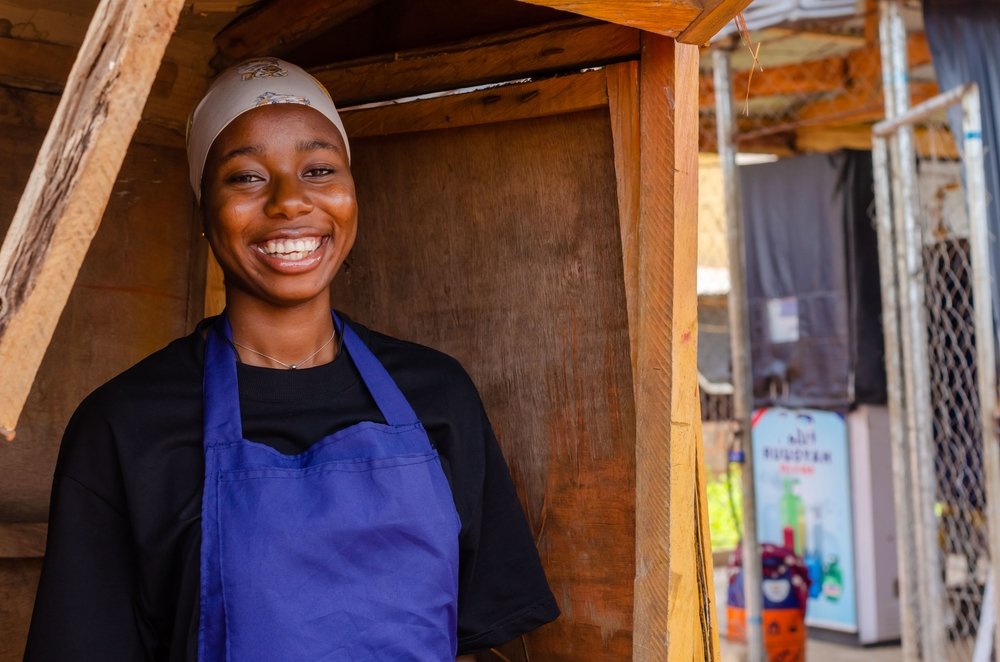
916, 363
987, 622
922, 111
901, 483
739, 339
975, 191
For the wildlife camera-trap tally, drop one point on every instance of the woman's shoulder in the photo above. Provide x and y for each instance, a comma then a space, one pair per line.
171, 372
410, 358
126, 425
435, 382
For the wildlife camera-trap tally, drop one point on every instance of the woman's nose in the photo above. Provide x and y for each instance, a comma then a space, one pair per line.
289, 198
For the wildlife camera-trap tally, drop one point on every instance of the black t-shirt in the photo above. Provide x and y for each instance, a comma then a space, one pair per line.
120, 579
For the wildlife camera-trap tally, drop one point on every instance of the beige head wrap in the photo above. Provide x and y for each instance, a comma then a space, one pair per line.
246, 86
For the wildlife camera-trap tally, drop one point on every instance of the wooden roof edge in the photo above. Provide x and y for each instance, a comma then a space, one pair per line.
666, 17
713, 17
690, 21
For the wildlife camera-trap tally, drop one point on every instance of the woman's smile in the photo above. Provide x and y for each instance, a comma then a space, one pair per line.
292, 254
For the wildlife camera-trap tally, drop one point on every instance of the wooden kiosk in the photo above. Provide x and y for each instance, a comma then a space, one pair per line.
526, 177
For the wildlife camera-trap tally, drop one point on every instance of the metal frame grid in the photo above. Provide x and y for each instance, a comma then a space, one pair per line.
934, 258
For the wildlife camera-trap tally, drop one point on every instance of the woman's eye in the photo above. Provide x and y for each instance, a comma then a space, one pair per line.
319, 172
244, 178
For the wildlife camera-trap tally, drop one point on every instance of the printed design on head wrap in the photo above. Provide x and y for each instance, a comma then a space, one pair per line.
267, 67
269, 98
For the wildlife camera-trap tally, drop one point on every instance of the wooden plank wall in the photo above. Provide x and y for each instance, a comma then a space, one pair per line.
500, 245
139, 288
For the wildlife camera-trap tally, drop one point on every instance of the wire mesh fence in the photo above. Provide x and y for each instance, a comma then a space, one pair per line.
956, 412
931, 203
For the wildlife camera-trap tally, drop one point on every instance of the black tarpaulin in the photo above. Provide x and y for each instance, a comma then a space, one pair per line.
964, 36
812, 285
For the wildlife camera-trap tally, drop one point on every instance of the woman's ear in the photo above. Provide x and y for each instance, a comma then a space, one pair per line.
201, 217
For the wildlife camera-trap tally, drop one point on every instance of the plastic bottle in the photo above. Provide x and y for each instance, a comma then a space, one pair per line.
833, 581
793, 514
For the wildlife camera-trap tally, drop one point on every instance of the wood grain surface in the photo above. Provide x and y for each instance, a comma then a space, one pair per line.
274, 28
500, 245
713, 17
670, 590
623, 106
549, 96
66, 195
666, 17
18, 581
22, 540
131, 297
563, 47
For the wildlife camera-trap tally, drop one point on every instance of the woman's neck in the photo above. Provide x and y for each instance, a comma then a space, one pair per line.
280, 337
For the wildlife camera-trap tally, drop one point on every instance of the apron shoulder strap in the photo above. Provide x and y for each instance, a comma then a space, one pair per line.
221, 393
390, 400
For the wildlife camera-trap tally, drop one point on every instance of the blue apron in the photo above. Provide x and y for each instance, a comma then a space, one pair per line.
347, 551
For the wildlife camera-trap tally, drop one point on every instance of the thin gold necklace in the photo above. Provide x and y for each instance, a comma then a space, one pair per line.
290, 366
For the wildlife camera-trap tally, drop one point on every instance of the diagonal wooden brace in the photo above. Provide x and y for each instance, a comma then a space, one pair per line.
64, 200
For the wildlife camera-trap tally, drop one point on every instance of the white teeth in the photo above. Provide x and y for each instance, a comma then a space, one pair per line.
291, 249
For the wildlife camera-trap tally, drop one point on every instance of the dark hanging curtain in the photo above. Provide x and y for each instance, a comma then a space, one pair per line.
812, 282
964, 36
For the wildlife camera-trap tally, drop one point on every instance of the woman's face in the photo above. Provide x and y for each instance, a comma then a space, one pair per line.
279, 204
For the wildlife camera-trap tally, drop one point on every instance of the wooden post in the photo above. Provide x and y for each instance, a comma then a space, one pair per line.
673, 617
65, 197
623, 104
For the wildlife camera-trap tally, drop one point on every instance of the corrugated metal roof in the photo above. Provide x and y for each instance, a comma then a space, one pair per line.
767, 13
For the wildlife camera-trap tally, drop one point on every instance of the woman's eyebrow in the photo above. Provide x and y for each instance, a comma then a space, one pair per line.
240, 151
316, 144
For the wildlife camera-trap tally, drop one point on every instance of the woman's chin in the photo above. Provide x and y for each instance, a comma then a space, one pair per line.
280, 297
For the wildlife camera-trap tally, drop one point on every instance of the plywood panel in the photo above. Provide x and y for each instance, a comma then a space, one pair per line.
131, 297
500, 245
399, 25
18, 582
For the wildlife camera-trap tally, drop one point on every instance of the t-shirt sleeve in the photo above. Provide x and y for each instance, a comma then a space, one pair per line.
84, 605
503, 592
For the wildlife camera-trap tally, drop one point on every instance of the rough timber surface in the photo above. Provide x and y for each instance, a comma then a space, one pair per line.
519, 275
131, 297
18, 582
67, 192
402, 25
673, 582
667, 17
565, 46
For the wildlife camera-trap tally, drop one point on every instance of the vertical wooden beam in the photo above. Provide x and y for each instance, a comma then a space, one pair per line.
707, 645
215, 287
871, 22
623, 104
65, 197
672, 611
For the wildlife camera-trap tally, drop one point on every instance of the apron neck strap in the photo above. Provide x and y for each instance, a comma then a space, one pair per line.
390, 400
221, 388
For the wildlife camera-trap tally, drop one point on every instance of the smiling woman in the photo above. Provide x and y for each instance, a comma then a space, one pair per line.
283, 483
